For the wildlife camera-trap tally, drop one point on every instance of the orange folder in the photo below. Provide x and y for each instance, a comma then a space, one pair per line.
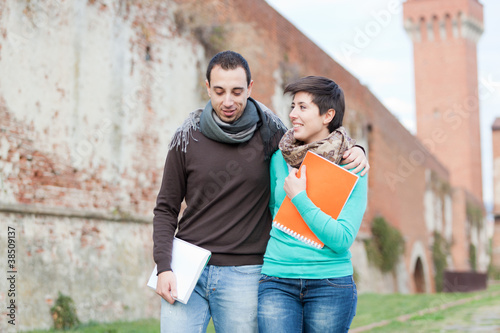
328, 186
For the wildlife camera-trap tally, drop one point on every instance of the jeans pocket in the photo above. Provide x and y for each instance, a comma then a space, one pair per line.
341, 282
265, 278
248, 269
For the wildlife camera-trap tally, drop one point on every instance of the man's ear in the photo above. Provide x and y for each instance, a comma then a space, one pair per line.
249, 90
328, 116
208, 88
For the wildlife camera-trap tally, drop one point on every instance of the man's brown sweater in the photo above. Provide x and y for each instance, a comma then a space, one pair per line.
226, 187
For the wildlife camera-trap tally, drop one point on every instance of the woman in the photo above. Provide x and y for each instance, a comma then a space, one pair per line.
303, 288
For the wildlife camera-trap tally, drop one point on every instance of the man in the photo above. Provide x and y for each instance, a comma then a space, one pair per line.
218, 161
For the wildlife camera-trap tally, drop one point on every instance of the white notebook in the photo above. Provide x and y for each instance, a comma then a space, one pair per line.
188, 261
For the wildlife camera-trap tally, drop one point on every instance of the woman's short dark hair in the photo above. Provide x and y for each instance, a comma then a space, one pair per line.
229, 60
326, 95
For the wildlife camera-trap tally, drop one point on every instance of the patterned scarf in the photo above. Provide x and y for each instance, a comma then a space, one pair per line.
331, 148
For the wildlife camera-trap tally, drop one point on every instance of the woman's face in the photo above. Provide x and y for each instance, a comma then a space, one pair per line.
308, 125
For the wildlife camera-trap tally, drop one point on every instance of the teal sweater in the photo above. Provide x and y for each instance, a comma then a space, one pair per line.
287, 257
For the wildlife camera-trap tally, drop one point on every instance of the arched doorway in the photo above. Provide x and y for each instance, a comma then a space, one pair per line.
418, 277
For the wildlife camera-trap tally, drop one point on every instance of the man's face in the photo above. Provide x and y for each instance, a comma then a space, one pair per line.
228, 92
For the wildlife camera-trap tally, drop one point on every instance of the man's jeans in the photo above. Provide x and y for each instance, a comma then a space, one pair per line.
228, 294
306, 305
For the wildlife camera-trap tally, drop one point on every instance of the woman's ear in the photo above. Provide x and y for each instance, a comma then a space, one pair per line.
329, 115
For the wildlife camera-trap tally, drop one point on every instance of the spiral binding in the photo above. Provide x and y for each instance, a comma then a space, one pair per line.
297, 235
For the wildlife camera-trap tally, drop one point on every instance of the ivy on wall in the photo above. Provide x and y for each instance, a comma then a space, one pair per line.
64, 313
440, 250
493, 271
472, 257
440, 186
289, 71
386, 245
474, 215
212, 38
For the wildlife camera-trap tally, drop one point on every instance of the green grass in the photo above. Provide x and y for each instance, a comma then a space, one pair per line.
372, 308
139, 326
479, 315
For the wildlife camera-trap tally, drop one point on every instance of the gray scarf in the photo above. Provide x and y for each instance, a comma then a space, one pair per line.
237, 132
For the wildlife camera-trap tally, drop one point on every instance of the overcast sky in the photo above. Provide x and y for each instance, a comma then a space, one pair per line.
384, 62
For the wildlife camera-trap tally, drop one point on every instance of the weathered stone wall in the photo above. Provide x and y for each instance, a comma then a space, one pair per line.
103, 265
90, 94
89, 100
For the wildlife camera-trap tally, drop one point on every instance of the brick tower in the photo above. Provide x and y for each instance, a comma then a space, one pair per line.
444, 35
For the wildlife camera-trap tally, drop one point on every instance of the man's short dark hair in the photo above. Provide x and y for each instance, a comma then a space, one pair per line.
229, 60
326, 95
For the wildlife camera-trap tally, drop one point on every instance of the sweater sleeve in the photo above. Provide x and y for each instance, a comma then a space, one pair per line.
338, 234
278, 169
166, 211
272, 200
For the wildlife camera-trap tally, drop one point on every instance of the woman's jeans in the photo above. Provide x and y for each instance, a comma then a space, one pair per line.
306, 305
228, 294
